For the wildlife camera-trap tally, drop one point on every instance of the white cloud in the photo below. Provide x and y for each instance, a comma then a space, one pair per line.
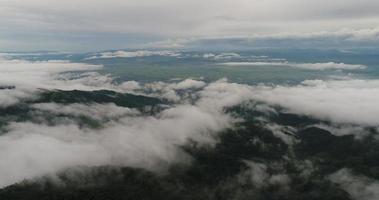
130, 85
28, 77
30, 150
168, 91
343, 101
353, 34
329, 65
346, 129
359, 187
260, 177
132, 54
151, 142
188, 84
96, 111
282, 133
309, 66
221, 56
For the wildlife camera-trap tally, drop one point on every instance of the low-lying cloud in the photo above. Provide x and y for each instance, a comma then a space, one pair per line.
359, 187
126, 138
342, 101
30, 150
131, 138
28, 76
132, 54
308, 66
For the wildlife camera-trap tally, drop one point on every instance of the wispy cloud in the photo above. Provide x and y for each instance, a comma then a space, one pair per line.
309, 66
29, 76
132, 54
359, 187
130, 138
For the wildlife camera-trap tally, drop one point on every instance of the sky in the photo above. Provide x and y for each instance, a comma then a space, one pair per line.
89, 25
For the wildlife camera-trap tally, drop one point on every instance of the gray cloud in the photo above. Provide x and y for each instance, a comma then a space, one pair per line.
30, 150
359, 187
28, 77
127, 138
173, 19
130, 138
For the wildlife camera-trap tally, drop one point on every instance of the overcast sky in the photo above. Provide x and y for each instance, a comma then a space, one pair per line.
85, 25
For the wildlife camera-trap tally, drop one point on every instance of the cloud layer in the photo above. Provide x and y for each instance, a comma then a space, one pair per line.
128, 137
131, 54
56, 22
29, 76
344, 101
358, 187
309, 66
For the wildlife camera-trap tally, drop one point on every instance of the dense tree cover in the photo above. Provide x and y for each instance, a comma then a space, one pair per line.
222, 171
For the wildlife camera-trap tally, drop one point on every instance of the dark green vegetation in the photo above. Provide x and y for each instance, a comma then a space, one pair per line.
217, 172
99, 96
24, 111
